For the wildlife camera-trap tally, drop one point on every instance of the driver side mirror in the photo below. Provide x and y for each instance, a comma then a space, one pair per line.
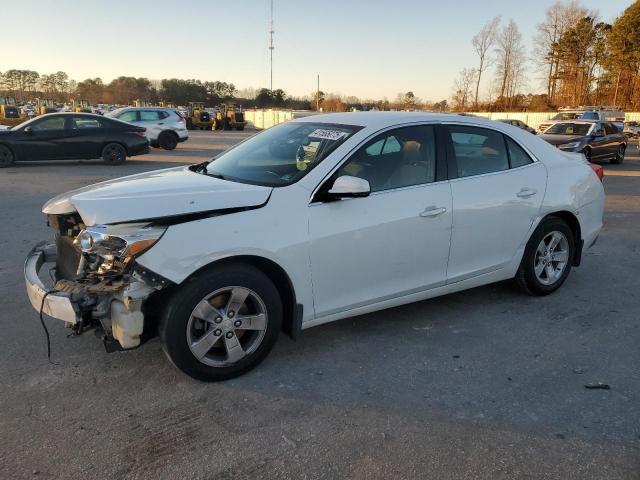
347, 186
28, 130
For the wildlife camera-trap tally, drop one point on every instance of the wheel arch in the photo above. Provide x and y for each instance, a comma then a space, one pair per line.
574, 224
168, 131
12, 149
292, 311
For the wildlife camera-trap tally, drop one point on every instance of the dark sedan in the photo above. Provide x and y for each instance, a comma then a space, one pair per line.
597, 140
62, 136
518, 123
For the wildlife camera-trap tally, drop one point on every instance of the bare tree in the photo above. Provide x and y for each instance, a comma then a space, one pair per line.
482, 43
462, 88
510, 53
559, 17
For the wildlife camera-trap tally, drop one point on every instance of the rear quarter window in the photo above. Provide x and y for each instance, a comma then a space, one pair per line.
518, 157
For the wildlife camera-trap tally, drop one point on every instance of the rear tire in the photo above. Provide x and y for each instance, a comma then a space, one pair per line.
542, 270
587, 153
619, 157
114, 154
168, 140
6, 156
182, 332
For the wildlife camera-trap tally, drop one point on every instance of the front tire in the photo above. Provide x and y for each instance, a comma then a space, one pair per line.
547, 258
114, 154
6, 156
222, 323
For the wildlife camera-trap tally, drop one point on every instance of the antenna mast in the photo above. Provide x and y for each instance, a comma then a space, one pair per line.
271, 47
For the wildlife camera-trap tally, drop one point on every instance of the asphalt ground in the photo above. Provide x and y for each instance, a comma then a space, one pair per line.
486, 383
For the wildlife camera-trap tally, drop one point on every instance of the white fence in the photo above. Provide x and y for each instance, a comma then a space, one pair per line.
268, 118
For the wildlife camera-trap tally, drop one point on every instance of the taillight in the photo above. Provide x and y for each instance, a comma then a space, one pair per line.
599, 169
181, 119
140, 134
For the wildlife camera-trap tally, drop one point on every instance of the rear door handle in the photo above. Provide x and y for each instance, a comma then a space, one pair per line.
432, 212
526, 192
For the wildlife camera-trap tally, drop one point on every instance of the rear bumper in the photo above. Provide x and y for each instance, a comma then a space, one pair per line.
56, 304
139, 150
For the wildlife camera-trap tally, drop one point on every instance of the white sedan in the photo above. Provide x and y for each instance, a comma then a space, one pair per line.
311, 221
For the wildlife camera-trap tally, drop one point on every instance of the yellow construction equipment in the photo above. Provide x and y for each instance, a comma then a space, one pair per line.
80, 106
228, 117
45, 105
9, 112
198, 118
141, 103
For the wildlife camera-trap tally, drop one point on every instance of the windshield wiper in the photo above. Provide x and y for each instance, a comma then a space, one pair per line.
200, 167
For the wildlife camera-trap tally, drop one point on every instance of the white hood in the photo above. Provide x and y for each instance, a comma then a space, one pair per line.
161, 193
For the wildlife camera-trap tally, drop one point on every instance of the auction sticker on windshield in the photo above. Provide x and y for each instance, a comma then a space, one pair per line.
327, 134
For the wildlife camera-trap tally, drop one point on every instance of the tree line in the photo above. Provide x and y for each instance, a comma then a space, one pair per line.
578, 60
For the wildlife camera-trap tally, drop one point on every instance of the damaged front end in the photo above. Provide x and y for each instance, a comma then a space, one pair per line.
96, 280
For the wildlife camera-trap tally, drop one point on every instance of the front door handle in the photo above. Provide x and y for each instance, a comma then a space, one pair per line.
432, 212
526, 192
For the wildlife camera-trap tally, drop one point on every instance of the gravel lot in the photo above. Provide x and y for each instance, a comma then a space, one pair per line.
486, 383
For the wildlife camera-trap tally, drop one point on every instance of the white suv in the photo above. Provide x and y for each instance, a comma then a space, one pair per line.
165, 127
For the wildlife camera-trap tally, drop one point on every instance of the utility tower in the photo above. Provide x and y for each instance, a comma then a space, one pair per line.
271, 47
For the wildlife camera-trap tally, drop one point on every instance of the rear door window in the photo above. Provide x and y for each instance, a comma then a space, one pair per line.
610, 129
80, 123
478, 150
150, 116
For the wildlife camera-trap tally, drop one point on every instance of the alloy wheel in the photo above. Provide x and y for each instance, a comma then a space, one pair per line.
113, 154
551, 258
227, 325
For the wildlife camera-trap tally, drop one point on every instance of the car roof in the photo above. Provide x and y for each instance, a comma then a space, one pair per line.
68, 114
581, 120
389, 119
146, 108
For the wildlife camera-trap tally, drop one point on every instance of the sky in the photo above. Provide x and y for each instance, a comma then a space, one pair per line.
370, 49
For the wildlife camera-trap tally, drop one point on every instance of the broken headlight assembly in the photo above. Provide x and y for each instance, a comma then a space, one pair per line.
110, 248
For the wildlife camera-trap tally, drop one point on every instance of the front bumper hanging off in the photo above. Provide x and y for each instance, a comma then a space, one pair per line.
56, 304
117, 309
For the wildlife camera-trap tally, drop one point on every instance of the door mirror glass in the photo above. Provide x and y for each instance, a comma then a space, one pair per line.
348, 186
27, 130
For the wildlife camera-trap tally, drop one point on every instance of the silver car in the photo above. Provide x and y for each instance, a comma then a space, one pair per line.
165, 127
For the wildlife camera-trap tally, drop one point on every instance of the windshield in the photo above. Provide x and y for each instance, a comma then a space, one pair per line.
569, 128
281, 155
25, 123
566, 116
590, 116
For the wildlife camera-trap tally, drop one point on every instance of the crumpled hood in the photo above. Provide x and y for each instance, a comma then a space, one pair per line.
560, 139
156, 194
